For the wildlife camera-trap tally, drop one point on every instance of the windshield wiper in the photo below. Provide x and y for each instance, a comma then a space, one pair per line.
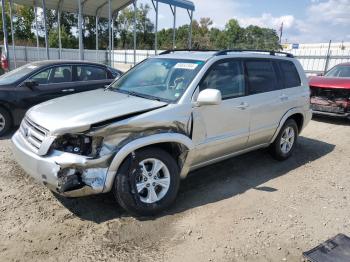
133, 93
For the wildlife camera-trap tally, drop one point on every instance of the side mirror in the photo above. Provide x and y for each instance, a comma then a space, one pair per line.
209, 97
31, 84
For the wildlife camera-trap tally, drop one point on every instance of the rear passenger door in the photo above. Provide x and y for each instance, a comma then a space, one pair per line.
90, 77
292, 92
264, 99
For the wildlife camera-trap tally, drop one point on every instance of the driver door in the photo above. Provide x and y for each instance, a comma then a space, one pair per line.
220, 130
52, 82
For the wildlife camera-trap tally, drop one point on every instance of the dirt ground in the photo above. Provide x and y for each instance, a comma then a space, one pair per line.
249, 208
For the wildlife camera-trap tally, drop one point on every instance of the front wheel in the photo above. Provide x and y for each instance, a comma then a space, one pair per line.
285, 142
147, 182
5, 121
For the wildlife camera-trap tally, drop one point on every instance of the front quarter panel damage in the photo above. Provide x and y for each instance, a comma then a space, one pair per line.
171, 124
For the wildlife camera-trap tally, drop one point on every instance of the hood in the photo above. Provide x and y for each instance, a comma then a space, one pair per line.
330, 82
76, 113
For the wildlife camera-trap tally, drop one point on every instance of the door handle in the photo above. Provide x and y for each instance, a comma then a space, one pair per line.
243, 106
284, 97
68, 90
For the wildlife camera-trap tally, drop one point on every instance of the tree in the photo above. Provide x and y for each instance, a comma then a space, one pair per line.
66, 39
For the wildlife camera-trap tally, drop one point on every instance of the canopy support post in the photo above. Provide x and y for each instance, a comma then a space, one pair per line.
96, 18
135, 39
59, 11
109, 33
190, 13
46, 34
36, 28
173, 10
80, 26
12, 35
4, 29
112, 34
156, 5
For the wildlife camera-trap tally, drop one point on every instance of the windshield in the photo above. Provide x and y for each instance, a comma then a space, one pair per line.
339, 71
14, 75
160, 79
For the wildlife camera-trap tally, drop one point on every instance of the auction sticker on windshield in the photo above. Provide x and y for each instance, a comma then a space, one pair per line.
188, 66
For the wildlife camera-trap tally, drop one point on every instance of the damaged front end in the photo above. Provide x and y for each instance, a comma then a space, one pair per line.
330, 101
85, 171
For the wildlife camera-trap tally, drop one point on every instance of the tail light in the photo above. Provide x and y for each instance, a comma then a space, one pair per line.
4, 63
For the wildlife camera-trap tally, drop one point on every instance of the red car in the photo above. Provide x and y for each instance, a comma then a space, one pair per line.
330, 94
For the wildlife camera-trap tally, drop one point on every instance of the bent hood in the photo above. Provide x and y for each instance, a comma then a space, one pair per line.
330, 82
76, 113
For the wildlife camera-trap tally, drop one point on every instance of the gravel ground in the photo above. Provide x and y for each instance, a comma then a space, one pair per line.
249, 208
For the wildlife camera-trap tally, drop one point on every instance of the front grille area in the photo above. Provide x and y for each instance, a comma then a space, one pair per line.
33, 133
331, 100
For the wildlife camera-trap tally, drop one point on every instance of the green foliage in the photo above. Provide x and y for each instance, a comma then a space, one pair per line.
67, 39
204, 35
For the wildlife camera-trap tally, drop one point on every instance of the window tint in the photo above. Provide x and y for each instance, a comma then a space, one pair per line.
60, 74
261, 76
88, 73
290, 74
227, 77
42, 78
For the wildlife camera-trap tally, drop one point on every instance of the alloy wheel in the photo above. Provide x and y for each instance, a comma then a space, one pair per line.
153, 182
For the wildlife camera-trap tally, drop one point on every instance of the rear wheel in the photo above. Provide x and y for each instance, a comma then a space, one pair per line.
147, 183
285, 142
5, 121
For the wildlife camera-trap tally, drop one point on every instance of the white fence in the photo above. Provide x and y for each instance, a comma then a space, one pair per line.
26, 55
317, 58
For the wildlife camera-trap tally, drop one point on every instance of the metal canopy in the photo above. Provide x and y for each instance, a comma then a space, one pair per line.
99, 8
90, 7
179, 3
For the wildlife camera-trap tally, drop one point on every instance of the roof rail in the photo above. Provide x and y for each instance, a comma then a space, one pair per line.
189, 50
271, 52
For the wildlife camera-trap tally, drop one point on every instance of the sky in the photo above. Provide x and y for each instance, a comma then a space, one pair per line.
305, 21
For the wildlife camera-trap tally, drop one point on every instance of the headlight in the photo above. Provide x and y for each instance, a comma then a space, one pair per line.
78, 144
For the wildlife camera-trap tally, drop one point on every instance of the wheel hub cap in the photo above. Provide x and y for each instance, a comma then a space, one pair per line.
287, 140
154, 181
2, 122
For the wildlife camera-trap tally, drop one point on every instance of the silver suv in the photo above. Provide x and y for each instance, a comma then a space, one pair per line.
169, 115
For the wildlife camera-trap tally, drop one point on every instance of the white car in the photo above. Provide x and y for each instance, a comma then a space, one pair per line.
170, 114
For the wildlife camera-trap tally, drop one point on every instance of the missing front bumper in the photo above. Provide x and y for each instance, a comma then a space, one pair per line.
66, 174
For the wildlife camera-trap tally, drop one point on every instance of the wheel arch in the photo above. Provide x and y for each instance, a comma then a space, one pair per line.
294, 113
166, 141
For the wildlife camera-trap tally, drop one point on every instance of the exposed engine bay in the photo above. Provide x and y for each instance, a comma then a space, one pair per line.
331, 100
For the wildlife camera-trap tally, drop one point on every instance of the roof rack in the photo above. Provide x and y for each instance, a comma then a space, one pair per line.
189, 50
271, 52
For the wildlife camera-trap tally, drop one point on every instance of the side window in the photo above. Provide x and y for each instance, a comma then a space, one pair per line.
61, 74
88, 73
261, 76
290, 74
42, 78
227, 77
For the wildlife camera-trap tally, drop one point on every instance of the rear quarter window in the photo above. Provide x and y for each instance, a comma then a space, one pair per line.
290, 75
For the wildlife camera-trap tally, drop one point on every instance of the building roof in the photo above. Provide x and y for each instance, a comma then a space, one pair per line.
90, 7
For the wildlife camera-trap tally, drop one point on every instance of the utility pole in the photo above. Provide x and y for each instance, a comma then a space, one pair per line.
281, 33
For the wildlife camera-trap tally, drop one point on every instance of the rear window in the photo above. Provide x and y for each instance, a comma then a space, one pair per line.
261, 76
290, 76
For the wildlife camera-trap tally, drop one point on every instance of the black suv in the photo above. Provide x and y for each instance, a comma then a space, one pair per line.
40, 81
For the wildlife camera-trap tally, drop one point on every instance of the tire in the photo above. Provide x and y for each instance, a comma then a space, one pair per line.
134, 189
283, 149
5, 121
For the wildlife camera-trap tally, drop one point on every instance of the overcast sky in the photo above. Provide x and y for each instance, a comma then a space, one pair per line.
304, 20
